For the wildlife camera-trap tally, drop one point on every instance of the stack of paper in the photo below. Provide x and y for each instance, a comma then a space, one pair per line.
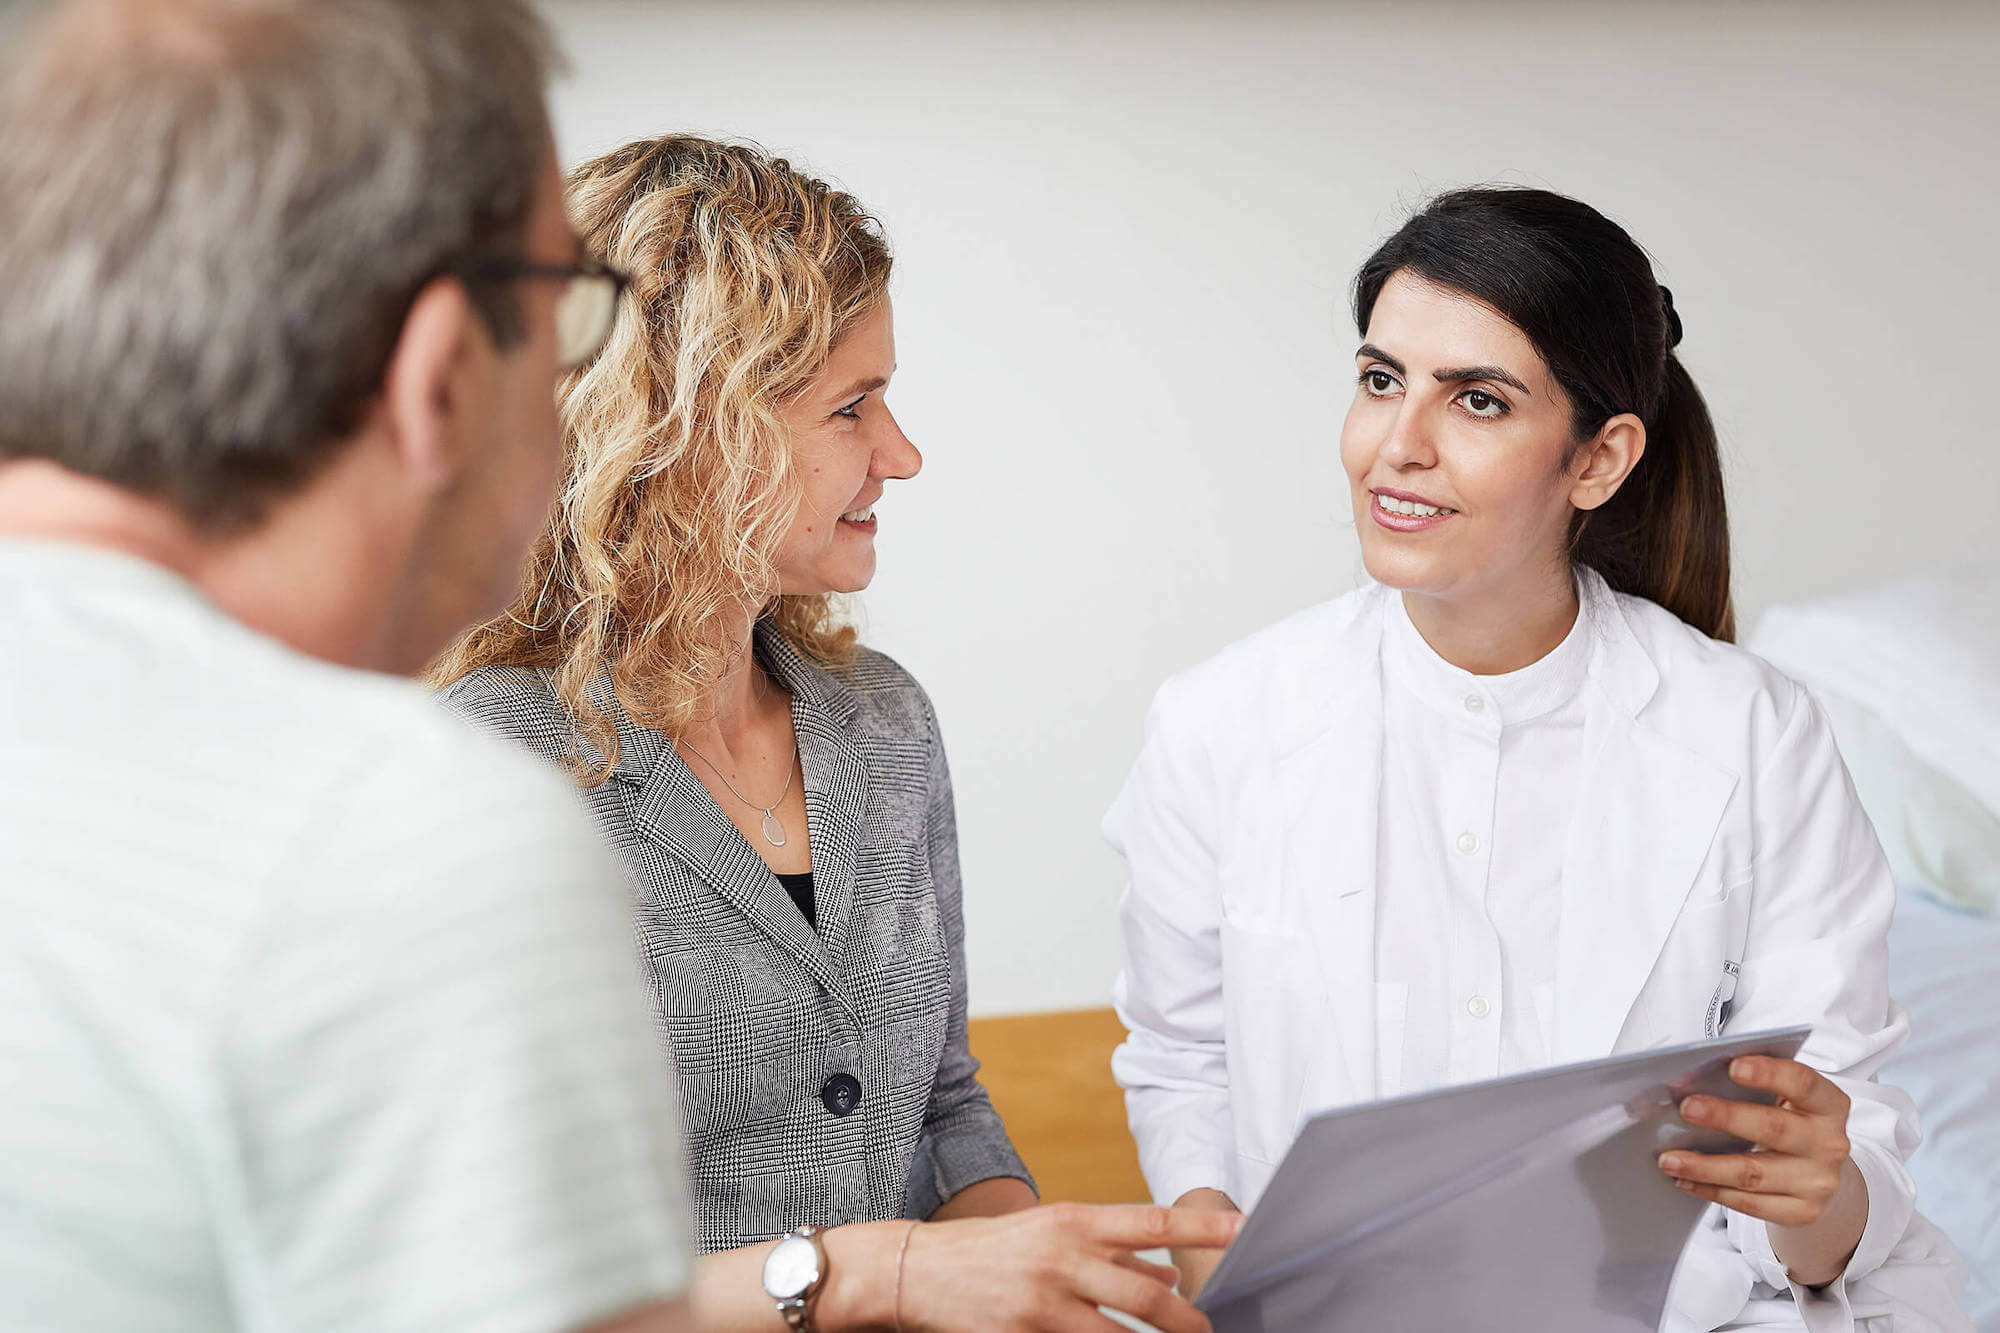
1531, 1202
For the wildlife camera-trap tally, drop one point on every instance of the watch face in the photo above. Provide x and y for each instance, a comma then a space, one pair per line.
791, 1269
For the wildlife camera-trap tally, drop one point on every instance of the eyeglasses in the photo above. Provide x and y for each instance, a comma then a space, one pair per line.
586, 310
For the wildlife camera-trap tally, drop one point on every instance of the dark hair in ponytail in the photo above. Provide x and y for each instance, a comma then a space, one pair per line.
1584, 293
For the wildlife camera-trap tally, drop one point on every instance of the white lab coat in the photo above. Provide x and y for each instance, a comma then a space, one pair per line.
1720, 855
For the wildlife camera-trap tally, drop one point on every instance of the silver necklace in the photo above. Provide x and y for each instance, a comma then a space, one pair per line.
774, 830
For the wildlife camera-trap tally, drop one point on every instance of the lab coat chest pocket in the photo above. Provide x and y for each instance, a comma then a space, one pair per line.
1691, 996
1726, 867
1272, 1004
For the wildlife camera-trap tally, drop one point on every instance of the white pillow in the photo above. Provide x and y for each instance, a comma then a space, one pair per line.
1910, 676
1939, 839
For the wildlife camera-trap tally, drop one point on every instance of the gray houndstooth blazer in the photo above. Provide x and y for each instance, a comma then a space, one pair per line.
775, 1028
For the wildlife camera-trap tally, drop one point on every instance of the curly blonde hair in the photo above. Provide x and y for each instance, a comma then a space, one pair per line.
677, 477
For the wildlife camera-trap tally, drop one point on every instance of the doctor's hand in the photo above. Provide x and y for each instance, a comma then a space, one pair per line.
1800, 1178
1198, 1265
1049, 1268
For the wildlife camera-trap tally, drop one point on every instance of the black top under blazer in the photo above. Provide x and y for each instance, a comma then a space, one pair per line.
824, 1075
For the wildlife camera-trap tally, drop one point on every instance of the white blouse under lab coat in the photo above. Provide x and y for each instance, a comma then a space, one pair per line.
1716, 852
1479, 779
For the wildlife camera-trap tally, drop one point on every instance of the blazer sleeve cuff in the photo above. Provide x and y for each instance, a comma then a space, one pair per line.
958, 1155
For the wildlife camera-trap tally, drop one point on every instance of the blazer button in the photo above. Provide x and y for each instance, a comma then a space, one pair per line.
841, 1094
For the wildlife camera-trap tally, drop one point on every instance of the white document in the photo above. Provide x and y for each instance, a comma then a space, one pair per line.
1530, 1202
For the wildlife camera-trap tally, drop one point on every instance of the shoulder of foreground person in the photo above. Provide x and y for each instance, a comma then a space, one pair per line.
361, 804
421, 788
441, 1010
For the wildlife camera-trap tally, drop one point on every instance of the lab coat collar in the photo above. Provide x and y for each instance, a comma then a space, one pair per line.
1647, 810
1306, 709
1513, 698
1620, 667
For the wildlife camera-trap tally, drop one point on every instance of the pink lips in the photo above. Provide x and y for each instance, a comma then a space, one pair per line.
1405, 522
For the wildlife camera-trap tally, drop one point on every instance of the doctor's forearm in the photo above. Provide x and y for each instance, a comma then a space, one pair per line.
1196, 1266
1815, 1255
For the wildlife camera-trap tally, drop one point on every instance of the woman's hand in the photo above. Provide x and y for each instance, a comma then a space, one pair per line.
1198, 1265
1049, 1268
1801, 1178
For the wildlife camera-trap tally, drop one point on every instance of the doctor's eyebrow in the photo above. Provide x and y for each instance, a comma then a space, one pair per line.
1369, 351
1494, 373
1452, 375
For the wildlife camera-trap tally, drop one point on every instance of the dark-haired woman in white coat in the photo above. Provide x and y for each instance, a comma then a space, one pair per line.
1519, 802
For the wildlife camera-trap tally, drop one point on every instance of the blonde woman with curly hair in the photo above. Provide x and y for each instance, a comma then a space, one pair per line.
779, 795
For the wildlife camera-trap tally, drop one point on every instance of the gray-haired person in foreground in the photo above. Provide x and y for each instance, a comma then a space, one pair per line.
317, 1011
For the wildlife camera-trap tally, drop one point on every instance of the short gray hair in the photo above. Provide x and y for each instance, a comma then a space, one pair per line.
214, 215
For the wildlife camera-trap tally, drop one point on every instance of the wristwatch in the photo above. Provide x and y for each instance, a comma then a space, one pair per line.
794, 1273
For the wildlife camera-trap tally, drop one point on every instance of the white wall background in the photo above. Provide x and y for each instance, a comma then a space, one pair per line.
1124, 233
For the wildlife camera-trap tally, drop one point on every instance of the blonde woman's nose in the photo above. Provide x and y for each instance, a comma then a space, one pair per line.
895, 456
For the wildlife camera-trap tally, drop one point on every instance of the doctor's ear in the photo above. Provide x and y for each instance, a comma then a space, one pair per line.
1602, 462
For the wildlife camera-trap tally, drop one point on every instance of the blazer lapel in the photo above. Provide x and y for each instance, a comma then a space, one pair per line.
836, 782
836, 794
671, 809
1331, 790
1646, 813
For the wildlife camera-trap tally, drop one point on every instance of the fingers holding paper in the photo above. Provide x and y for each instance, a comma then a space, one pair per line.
1801, 1154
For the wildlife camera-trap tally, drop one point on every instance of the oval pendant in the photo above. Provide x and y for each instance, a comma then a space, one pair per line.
774, 832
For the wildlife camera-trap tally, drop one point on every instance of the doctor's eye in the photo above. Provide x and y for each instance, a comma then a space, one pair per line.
1480, 403
853, 410
1378, 382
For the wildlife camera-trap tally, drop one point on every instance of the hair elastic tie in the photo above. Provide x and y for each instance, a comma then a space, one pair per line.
1673, 317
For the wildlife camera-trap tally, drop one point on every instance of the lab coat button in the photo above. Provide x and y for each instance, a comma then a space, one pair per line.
1474, 704
1479, 1006
1468, 843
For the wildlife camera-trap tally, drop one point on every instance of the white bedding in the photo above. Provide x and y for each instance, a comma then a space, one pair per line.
1945, 967
1910, 675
